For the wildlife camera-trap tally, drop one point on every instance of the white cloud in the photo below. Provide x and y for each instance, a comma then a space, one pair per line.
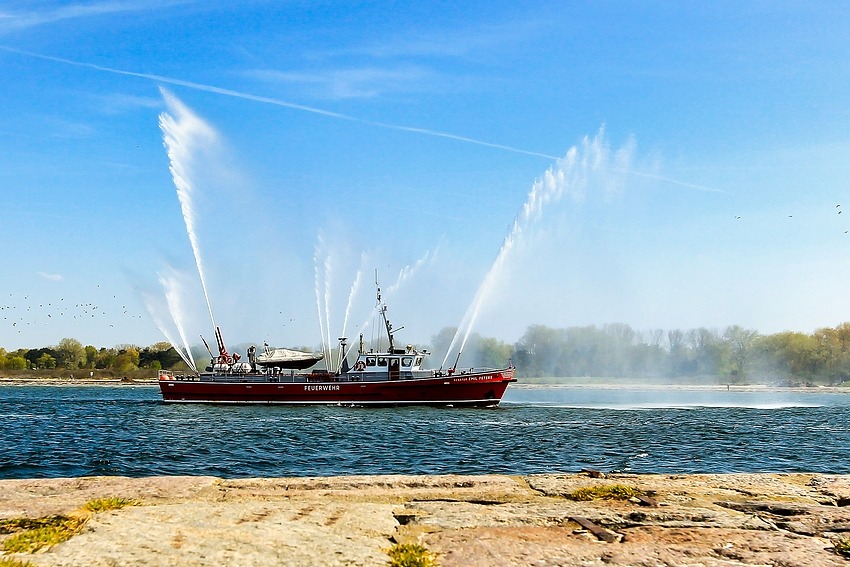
10, 22
458, 43
365, 82
118, 103
51, 277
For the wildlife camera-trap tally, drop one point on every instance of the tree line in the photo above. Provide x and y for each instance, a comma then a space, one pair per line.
734, 354
70, 354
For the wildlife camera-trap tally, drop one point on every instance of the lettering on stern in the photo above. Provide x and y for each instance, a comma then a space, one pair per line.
480, 378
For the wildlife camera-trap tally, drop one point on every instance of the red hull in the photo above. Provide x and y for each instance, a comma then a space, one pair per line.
469, 389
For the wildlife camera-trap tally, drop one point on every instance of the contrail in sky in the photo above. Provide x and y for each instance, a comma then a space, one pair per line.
328, 113
276, 102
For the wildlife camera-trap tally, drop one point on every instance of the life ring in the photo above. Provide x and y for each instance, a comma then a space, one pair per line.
360, 366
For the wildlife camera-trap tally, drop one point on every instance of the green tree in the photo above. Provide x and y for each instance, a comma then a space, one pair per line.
740, 343
105, 358
834, 345
46, 361
791, 354
123, 363
493, 353
161, 353
70, 353
32, 355
91, 356
132, 352
16, 363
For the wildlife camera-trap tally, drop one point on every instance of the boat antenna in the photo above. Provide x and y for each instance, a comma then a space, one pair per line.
382, 308
208, 346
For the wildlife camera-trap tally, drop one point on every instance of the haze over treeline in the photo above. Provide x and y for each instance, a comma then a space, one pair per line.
616, 350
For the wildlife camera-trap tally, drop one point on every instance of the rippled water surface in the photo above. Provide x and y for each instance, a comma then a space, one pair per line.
53, 431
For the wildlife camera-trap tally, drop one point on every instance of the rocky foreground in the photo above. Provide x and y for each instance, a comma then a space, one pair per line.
693, 520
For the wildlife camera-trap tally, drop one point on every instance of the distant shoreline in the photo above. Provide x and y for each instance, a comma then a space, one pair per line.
681, 387
17, 381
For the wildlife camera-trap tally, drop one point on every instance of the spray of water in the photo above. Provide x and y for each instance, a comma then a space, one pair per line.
184, 134
328, 274
155, 308
355, 287
318, 287
408, 271
169, 337
175, 307
593, 164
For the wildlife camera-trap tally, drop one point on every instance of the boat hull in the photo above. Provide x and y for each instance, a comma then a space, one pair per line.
467, 389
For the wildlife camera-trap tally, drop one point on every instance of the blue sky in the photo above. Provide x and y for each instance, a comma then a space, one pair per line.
710, 161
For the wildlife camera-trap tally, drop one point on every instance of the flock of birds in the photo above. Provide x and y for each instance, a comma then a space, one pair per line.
21, 313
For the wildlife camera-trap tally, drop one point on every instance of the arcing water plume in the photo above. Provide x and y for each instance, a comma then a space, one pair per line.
184, 134
592, 164
409, 271
378, 329
159, 325
355, 287
328, 272
318, 287
175, 307
155, 310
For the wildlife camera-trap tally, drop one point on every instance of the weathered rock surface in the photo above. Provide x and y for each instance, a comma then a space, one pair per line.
688, 520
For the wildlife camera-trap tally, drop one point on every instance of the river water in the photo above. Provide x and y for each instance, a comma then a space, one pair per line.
56, 431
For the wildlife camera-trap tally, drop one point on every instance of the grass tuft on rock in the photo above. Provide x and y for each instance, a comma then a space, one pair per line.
33, 534
52, 531
842, 546
410, 555
604, 492
104, 504
7, 562
12, 525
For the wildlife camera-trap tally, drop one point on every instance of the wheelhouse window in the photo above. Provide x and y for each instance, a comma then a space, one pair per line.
406, 361
382, 361
370, 361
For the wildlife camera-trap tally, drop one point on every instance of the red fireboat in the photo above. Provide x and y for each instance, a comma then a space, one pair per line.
393, 377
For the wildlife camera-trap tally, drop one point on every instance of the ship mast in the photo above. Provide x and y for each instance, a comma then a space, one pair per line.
382, 309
